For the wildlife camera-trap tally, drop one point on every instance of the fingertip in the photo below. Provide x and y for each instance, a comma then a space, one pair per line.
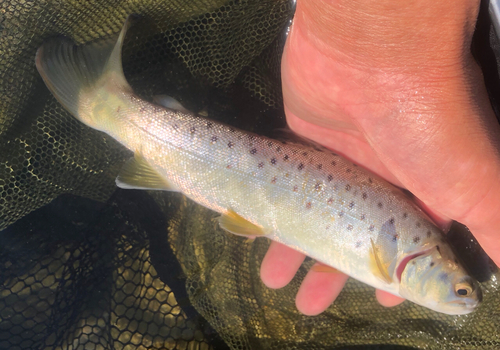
279, 266
387, 299
318, 291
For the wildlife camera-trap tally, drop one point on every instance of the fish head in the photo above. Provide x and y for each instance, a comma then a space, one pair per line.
434, 278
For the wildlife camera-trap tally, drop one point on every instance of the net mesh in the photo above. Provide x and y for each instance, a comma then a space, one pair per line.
86, 266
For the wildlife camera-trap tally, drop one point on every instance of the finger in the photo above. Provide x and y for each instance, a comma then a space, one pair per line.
280, 264
318, 291
388, 299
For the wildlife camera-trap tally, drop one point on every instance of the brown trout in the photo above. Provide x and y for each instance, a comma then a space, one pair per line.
307, 198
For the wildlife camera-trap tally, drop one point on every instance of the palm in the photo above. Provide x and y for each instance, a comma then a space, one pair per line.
421, 122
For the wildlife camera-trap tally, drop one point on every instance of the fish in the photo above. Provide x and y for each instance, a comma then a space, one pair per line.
295, 193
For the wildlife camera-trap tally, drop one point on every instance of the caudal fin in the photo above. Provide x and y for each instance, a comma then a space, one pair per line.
68, 69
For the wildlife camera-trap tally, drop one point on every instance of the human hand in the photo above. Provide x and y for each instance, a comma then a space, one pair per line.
393, 86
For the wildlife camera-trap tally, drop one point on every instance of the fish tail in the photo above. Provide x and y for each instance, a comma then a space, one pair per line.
68, 69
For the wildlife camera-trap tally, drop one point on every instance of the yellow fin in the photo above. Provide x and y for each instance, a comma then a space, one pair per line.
138, 174
318, 267
378, 268
236, 224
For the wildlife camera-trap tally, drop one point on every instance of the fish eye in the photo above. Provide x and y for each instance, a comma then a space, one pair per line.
463, 289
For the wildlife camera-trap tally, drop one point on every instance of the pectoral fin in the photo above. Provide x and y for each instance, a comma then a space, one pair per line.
138, 174
377, 266
236, 224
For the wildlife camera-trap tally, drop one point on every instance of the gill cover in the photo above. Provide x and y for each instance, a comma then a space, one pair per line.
436, 281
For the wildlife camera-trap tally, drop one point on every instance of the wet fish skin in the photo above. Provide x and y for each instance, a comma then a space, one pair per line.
307, 198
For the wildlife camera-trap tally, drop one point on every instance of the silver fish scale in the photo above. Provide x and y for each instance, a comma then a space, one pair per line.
309, 199
301, 196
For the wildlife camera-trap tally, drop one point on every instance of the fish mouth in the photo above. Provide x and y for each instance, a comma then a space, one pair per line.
402, 265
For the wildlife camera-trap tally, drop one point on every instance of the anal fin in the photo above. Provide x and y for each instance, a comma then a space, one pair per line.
236, 224
137, 173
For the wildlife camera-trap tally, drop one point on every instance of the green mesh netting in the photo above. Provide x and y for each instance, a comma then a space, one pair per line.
86, 266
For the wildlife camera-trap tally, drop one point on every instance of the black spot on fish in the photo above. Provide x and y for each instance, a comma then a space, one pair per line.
370, 180
455, 261
232, 129
230, 144
391, 221
228, 166
431, 264
371, 228
347, 187
253, 151
363, 216
405, 215
334, 163
364, 195
330, 178
283, 142
273, 161
273, 181
214, 139
349, 227
278, 149
330, 200
269, 144
308, 205
319, 166
301, 166
304, 154
348, 170
354, 165
175, 127
416, 239
418, 224
439, 250
295, 188
261, 164
142, 109
429, 234
380, 205
210, 125
192, 130
341, 213
351, 205
251, 137
358, 244
395, 237
317, 187
286, 157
